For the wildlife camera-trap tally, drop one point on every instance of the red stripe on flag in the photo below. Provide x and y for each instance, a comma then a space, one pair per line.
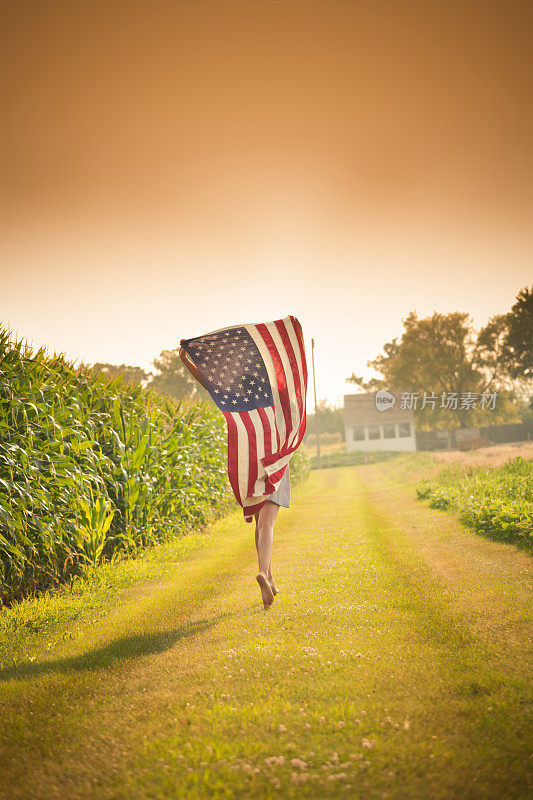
249, 511
233, 462
267, 435
302, 348
300, 340
277, 476
252, 452
292, 361
266, 430
280, 376
298, 440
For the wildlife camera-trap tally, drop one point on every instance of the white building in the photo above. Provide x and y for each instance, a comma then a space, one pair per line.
375, 421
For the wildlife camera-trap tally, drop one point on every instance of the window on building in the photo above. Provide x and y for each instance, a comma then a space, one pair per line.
374, 432
358, 434
389, 430
404, 429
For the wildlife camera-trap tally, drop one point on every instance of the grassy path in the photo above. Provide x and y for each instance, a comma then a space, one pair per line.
393, 664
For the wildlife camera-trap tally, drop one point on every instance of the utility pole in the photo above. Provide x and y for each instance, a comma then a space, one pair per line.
316, 406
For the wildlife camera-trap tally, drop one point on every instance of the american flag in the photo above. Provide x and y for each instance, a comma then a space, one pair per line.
257, 376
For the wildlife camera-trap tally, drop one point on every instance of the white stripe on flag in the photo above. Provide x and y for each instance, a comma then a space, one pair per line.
259, 487
252, 501
243, 454
291, 391
272, 424
271, 371
282, 460
296, 347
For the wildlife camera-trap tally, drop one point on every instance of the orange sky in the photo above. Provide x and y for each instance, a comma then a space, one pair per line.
173, 167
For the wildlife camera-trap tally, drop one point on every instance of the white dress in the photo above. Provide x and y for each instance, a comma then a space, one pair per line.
282, 495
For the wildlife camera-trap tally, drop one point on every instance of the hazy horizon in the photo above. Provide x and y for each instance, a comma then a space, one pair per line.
176, 168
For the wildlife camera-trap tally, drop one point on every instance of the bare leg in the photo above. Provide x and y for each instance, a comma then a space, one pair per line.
271, 581
264, 538
269, 573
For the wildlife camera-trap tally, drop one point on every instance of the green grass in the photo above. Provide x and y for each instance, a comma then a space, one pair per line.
496, 502
373, 675
338, 456
61, 613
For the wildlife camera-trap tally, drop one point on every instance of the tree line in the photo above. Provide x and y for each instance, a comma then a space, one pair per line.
440, 353
444, 353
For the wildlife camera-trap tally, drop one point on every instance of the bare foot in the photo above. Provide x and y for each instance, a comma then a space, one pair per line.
266, 592
272, 585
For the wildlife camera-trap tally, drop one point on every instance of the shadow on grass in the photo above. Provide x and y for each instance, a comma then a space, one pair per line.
128, 647
520, 542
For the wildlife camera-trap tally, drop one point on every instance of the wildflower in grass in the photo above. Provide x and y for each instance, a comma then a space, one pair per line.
368, 744
298, 762
299, 777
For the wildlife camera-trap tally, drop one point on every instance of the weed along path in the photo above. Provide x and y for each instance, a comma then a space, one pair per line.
393, 664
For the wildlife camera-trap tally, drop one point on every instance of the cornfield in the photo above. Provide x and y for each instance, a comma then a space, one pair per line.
91, 469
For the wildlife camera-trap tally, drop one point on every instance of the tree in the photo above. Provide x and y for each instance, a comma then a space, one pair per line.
174, 378
331, 420
518, 344
504, 348
131, 375
489, 352
438, 355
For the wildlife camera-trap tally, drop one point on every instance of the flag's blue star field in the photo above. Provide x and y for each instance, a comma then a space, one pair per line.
232, 369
